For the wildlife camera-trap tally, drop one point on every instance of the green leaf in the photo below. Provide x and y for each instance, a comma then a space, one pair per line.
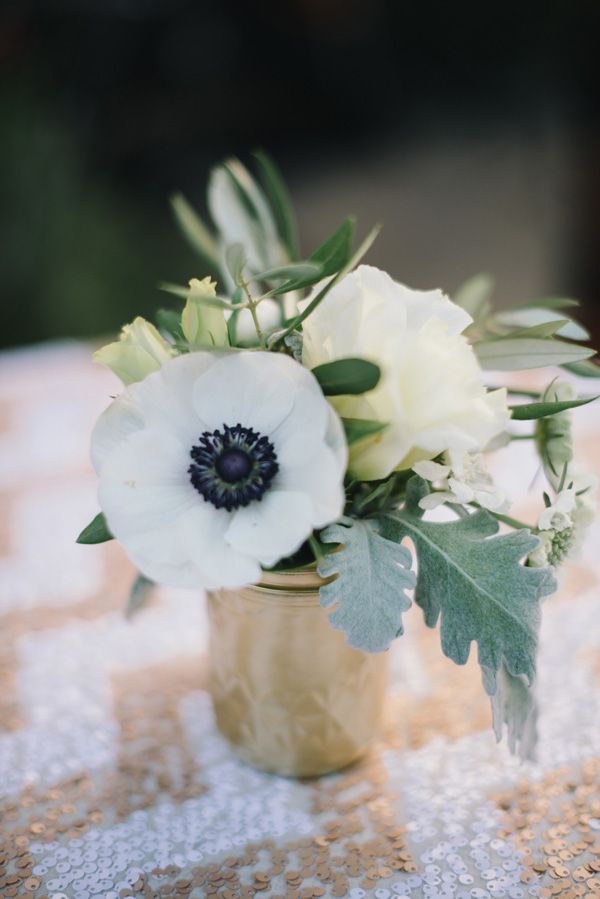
139, 594
178, 290
520, 353
474, 296
551, 303
170, 321
235, 260
369, 592
352, 263
195, 231
281, 202
528, 411
358, 428
296, 270
335, 252
347, 376
96, 531
475, 583
536, 317
544, 330
328, 259
513, 703
585, 369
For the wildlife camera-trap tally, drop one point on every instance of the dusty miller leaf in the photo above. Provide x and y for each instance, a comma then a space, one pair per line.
369, 591
475, 583
514, 704
294, 343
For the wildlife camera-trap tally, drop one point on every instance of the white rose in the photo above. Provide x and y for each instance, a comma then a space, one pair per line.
431, 393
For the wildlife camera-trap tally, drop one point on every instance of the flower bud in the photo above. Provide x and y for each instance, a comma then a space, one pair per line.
203, 325
139, 351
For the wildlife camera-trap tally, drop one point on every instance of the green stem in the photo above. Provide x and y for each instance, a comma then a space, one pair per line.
316, 548
252, 304
512, 522
522, 436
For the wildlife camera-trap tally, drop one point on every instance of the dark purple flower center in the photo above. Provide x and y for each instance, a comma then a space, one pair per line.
232, 467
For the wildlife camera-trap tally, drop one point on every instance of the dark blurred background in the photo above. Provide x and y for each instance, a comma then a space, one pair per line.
471, 131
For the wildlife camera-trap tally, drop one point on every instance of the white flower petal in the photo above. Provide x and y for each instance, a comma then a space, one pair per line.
116, 423
255, 389
273, 528
144, 484
433, 500
431, 471
463, 492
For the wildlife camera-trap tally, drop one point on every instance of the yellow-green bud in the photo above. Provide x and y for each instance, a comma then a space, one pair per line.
139, 351
203, 325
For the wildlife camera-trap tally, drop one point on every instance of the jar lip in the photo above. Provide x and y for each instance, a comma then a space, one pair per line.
305, 578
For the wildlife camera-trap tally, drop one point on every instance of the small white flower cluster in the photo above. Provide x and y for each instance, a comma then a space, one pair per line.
462, 480
563, 523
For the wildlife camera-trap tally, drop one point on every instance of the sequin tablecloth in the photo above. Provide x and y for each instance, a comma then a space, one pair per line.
115, 782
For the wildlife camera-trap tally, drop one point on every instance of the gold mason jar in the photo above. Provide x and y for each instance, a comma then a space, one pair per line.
288, 692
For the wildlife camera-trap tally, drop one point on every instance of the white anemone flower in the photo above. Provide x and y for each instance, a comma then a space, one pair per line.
463, 480
218, 464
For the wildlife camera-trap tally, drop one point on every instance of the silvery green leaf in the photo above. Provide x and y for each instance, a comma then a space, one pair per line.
544, 330
195, 231
520, 353
242, 215
179, 290
531, 316
235, 258
96, 532
551, 303
474, 296
514, 705
585, 369
294, 270
281, 202
139, 594
369, 590
475, 583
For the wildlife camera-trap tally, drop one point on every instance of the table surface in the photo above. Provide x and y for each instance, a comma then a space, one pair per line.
115, 782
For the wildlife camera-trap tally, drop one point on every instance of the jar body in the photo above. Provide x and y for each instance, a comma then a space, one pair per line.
288, 692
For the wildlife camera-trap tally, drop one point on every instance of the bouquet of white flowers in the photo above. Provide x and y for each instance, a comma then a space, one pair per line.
314, 411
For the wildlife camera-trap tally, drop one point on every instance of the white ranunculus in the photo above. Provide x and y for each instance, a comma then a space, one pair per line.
431, 393
219, 463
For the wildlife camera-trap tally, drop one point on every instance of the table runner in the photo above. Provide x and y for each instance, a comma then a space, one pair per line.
114, 781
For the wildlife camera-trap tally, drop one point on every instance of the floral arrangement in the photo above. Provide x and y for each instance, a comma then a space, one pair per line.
314, 411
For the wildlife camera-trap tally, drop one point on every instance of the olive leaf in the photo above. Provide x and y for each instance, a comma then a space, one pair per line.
372, 575
474, 582
347, 376
96, 532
